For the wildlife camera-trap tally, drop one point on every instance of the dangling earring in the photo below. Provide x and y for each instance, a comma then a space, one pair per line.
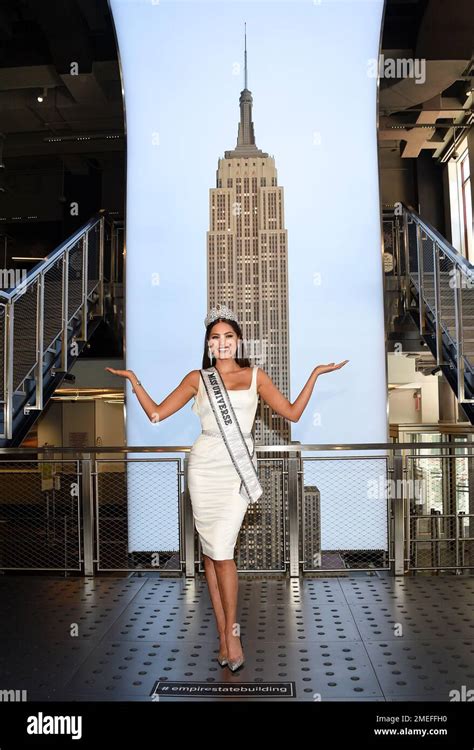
209, 354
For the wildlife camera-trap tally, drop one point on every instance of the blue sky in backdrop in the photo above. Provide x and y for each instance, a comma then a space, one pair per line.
314, 110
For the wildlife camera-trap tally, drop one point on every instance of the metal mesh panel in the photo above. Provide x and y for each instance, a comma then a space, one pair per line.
447, 296
39, 515
412, 252
344, 513
93, 248
467, 295
426, 250
389, 244
138, 514
261, 542
24, 334
75, 272
447, 287
310, 528
53, 297
3, 321
440, 511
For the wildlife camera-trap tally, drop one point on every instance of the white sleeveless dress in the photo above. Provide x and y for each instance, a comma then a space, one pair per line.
213, 481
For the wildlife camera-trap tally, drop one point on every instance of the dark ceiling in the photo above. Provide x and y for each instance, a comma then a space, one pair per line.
65, 49
401, 23
71, 143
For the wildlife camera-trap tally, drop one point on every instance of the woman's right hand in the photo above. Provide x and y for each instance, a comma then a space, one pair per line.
121, 373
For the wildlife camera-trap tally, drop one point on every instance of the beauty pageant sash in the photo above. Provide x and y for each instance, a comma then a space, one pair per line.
250, 488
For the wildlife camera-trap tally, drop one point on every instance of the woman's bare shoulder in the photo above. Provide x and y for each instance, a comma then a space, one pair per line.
262, 377
192, 379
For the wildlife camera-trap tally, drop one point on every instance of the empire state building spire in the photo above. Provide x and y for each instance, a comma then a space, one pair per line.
245, 55
246, 137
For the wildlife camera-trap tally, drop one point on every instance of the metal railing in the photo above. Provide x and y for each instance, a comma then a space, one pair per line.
114, 279
43, 316
429, 268
129, 508
40, 514
439, 521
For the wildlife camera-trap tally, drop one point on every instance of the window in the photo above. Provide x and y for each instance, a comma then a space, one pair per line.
466, 204
460, 202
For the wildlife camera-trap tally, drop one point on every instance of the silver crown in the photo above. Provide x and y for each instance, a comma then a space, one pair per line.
221, 311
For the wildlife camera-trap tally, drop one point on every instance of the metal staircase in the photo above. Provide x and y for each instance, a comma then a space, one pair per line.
45, 322
437, 291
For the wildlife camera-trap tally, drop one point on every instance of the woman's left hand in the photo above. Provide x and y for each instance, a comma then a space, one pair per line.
329, 368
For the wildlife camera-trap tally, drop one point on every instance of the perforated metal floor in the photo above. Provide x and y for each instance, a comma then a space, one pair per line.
364, 637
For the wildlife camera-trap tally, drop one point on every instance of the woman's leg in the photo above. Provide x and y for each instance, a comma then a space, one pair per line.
228, 582
216, 603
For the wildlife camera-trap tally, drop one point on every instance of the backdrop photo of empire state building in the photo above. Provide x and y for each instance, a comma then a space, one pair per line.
247, 261
247, 269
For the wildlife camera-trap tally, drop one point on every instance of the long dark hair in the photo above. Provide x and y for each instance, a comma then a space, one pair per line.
242, 361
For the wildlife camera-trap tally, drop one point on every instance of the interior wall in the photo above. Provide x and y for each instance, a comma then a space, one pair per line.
429, 176
397, 178
78, 420
402, 406
50, 428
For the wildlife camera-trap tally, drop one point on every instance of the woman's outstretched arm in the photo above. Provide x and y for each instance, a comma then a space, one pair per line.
279, 403
171, 404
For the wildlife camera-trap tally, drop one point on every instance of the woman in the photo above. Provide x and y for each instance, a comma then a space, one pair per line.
222, 477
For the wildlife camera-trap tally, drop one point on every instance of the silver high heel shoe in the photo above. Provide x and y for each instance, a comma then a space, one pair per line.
223, 661
235, 665
238, 663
